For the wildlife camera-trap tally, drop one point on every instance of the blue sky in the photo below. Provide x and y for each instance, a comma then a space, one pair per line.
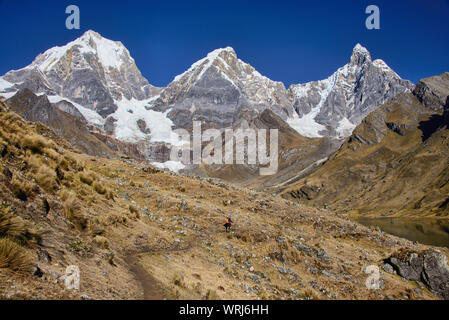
288, 41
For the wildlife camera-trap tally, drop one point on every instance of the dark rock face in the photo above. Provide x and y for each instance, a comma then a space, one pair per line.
216, 89
69, 108
432, 91
39, 109
429, 266
398, 128
410, 268
143, 126
158, 152
309, 192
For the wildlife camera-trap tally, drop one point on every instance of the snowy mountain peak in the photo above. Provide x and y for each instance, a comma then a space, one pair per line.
205, 63
219, 88
360, 54
96, 74
111, 54
218, 51
358, 48
334, 106
91, 33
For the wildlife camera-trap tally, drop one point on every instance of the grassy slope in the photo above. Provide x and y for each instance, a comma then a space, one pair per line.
107, 214
375, 172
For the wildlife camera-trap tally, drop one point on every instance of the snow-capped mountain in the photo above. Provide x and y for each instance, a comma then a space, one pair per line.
335, 106
97, 80
100, 78
219, 87
92, 71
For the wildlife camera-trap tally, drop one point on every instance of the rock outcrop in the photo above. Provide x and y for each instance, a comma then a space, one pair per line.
433, 91
39, 109
429, 266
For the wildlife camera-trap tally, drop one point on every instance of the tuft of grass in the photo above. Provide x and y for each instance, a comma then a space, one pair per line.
99, 188
72, 210
21, 188
134, 212
34, 162
84, 178
46, 178
133, 209
14, 228
9, 227
53, 154
110, 195
13, 256
308, 294
36, 143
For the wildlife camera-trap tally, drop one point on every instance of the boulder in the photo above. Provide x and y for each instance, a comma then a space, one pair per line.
429, 266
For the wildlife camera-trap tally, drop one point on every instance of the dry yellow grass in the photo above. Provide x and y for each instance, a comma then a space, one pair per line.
13, 256
9, 227
36, 143
21, 188
72, 210
46, 178
84, 178
98, 187
181, 233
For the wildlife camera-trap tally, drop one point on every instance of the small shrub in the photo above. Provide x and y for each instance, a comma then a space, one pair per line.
79, 245
13, 256
21, 188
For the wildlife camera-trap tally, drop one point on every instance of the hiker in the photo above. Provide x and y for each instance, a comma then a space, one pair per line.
228, 224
